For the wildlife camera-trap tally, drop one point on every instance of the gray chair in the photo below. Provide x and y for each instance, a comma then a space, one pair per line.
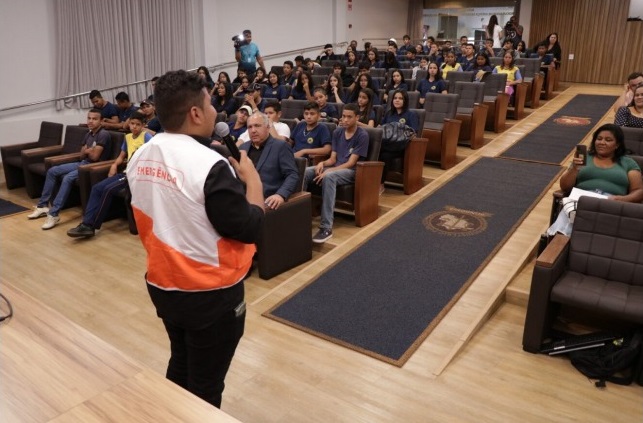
51, 134
472, 112
291, 109
497, 100
534, 79
594, 276
453, 77
441, 129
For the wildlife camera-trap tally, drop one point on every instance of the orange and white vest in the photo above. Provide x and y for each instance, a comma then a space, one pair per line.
184, 252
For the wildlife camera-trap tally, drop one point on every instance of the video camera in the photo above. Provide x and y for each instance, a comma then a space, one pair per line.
239, 41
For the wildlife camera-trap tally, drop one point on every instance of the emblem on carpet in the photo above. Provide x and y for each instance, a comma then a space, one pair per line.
453, 221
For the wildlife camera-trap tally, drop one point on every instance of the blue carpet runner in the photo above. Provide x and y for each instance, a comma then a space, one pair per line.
553, 140
385, 297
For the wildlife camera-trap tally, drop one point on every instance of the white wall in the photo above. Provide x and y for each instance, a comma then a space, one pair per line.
28, 31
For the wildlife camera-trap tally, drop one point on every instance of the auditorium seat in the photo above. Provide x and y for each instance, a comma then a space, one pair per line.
441, 129
407, 170
51, 134
472, 112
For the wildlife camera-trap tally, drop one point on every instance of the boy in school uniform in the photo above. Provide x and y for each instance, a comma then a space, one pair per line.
309, 137
349, 145
103, 192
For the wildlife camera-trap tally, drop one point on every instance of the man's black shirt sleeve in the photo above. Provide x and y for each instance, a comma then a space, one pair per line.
227, 207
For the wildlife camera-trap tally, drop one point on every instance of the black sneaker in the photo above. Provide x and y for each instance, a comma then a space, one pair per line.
80, 231
322, 236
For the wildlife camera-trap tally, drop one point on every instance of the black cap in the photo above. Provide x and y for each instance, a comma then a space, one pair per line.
254, 87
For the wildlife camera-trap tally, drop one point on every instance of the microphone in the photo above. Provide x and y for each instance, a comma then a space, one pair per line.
222, 130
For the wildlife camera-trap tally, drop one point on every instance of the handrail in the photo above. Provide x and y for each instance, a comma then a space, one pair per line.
210, 68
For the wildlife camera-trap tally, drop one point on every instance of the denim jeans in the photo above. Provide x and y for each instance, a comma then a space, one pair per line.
101, 198
329, 191
68, 172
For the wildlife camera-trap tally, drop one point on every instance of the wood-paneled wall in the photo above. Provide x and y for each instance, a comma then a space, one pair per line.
605, 46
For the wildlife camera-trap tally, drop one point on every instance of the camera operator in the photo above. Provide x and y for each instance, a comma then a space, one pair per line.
247, 53
513, 31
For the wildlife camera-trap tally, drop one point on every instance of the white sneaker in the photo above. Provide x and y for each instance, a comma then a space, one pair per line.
51, 221
38, 212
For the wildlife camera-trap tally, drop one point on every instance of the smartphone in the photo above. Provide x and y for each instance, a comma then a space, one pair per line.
232, 147
581, 151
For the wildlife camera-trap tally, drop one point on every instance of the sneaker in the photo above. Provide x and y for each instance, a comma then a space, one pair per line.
322, 236
80, 231
51, 221
38, 212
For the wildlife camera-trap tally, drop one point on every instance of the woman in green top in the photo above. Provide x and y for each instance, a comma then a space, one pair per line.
608, 170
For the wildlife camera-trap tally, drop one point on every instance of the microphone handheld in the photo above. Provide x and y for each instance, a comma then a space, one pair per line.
223, 131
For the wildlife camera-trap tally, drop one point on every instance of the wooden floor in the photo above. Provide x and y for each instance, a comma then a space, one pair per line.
471, 368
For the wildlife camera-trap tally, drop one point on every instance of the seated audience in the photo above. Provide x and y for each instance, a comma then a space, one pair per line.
348, 81
260, 76
273, 160
242, 89
509, 68
433, 83
103, 192
327, 54
327, 112
488, 47
238, 127
363, 81
632, 115
508, 46
449, 65
399, 112
633, 81
303, 89
204, 74
253, 98
372, 59
349, 145
351, 59
108, 111
423, 65
607, 170
278, 130
288, 77
95, 147
151, 123
521, 48
482, 64
396, 82
335, 89
222, 99
435, 55
241, 73
152, 85
468, 58
390, 61
365, 112
553, 48
274, 89
309, 137
541, 53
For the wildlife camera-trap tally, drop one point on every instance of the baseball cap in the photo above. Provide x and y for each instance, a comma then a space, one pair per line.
254, 87
146, 101
392, 41
247, 109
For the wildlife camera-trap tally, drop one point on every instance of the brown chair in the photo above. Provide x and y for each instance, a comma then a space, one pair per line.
594, 276
285, 240
534, 79
517, 110
33, 160
362, 197
441, 129
472, 112
497, 100
51, 134
407, 170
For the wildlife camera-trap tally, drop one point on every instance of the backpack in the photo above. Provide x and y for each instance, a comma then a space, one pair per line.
396, 136
618, 361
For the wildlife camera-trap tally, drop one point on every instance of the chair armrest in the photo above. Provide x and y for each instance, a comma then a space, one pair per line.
449, 147
550, 255
37, 155
16, 149
61, 159
414, 164
315, 159
367, 191
286, 236
478, 121
89, 175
